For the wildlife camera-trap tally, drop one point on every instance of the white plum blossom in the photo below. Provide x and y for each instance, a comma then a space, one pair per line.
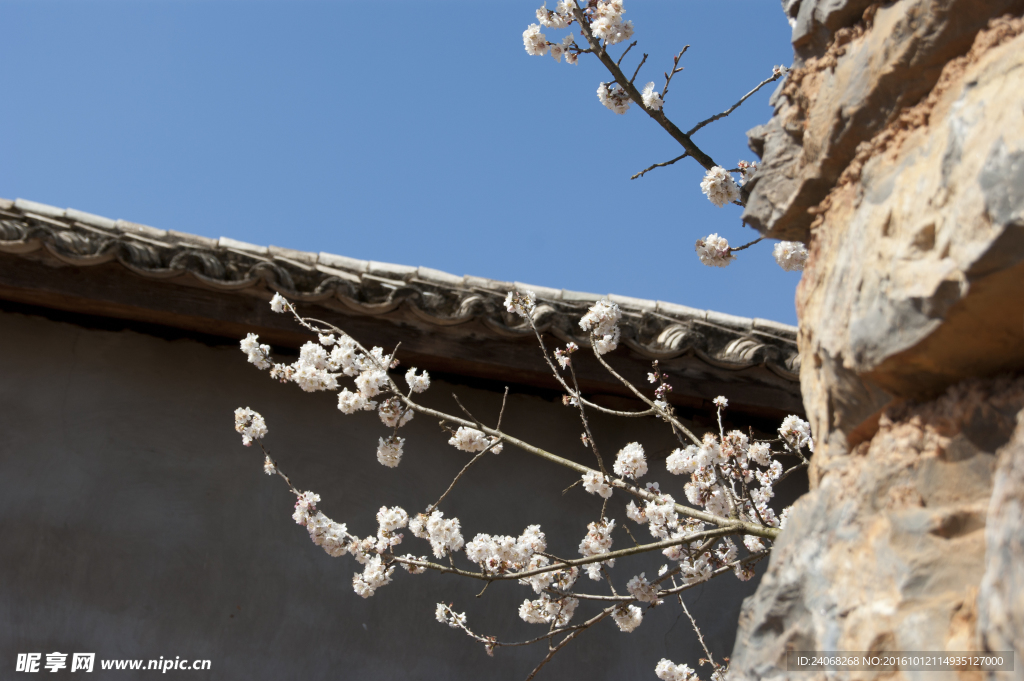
445, 535
268, 466
370, 382
389, 452
562, 49
521, 303
652, 99
796, 432
597, 541
279, 304
472, 440
614, 98
642, 590
628, 617
635, 513
392, 413
714, 251
350, 402
305, 504
556, 19
536, 43
747, 170
445, 615
258, 355
719, 186
498, 554
250, 424
546, 609
682, 461
607, 22
791, 255
631, 462
596, 483
760, 452
416, 383
721, 402
753, 544
374, 576
670, 671
602, 321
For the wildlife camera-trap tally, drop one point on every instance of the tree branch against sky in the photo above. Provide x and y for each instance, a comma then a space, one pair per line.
259, 122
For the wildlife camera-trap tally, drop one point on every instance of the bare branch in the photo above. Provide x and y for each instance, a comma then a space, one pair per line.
630, 47
675, 69
678, 135
659, 165
638, 67
744, 246
735, 106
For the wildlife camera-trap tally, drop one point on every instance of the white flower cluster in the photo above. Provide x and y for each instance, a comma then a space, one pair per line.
522, 304
670, 671
564, 356
501, 554
652, 99
627, 617
714, 251
602, 321
250, 424
791, 256
719, 186
548, 610
445, 536
417, 384
445, 615
630, 462
537, 43
389, 452
613, 98
596, 483
279, 304
796, 432
606, 22
268, 466
473, 440
258, 354
747, 170
642, 590
375, 575
556, 579
597, 541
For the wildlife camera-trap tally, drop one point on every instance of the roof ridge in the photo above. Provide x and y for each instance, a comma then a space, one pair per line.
653, 329
391, 271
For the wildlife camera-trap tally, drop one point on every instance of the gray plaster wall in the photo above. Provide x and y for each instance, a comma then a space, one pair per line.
134, 524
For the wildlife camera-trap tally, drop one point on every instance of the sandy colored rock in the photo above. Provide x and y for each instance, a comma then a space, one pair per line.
887, 553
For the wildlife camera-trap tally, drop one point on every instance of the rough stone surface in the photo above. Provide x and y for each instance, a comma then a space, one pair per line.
878, 60
916, 279
1001, 596
888, 552
896, 152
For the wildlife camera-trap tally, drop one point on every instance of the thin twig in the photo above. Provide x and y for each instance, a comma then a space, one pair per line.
638, 66
675, 69
659, 165
735, 106
740, 248
630, 47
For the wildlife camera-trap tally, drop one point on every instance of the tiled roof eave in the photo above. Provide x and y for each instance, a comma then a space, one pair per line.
651, 329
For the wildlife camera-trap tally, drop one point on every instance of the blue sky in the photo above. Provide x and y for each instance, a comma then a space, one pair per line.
418, 133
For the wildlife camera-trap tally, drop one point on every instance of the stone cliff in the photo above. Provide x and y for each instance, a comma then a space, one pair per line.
896, 152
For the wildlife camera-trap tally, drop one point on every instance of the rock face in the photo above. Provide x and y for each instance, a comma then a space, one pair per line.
896, 152
887, 554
